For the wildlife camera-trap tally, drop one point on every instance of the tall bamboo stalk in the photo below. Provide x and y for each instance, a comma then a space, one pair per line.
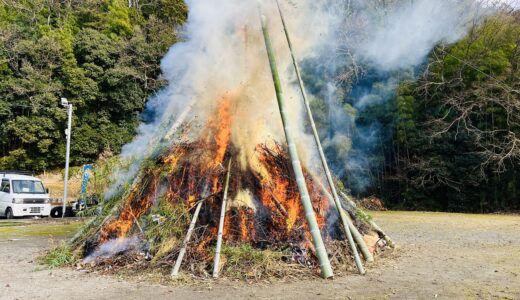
182, 252
344, 218
321, 252
216, 261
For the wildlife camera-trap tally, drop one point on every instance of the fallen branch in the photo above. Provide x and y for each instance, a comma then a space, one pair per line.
277, 202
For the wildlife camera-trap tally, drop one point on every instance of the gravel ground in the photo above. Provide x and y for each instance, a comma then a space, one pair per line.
441, 256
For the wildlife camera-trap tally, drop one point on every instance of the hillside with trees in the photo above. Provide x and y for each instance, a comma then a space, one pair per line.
103, 55
449, 138
456, 143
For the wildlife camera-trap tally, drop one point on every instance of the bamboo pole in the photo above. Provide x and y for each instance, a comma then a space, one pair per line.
358, 238
137, 223
321, 252
373, 224
178, 122
182, 252
324, 163
221, 223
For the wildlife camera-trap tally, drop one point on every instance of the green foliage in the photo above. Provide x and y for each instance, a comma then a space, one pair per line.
101, 54
59, 256
102, 174
118, 19
245, 262
88, 212
447, 140
169, 233
455, 128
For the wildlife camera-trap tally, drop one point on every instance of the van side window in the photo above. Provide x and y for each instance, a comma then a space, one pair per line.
5, 187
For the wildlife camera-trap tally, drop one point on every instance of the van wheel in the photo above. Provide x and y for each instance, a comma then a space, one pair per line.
9, 213
56, 212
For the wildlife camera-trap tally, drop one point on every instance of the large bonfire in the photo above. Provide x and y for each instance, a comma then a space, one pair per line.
215, 196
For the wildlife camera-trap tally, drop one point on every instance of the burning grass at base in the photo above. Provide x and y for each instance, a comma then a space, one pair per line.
163, 231
265, 230
164, 228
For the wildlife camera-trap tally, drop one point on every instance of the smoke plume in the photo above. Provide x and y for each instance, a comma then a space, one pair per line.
222, 56
380, 44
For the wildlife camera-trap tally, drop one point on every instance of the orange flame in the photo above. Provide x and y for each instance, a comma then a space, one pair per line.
134, 207
279, 193
193, 165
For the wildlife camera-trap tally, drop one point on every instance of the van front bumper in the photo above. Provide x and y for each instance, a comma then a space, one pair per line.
24, 210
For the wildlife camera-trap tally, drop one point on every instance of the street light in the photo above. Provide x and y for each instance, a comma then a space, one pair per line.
65, 103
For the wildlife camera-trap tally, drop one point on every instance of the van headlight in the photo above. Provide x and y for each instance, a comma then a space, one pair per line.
55, 201
47, 201
17, 200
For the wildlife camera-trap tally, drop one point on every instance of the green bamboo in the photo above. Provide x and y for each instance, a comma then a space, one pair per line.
358, 238
216, 261
373, 224
324, 163
321, 252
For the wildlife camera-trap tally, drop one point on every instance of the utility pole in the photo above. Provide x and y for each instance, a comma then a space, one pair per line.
65, 103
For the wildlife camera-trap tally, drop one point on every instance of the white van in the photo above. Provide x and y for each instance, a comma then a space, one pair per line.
22, 195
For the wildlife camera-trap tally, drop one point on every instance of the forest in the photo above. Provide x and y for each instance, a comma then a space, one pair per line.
102, 55
448, 136
454, 140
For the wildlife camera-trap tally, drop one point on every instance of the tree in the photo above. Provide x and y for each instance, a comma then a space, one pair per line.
459, 125
101, 54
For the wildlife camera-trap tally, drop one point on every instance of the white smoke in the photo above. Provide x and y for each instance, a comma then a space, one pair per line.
113, 247
375, 46
406, 34
223, 54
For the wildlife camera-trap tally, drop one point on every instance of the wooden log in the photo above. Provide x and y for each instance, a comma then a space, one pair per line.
277, 203
324, 163
321, 252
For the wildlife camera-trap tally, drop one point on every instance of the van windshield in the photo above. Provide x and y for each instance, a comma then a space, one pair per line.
28, 187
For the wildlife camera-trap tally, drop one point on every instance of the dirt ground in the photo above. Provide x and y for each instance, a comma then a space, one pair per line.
440, 256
